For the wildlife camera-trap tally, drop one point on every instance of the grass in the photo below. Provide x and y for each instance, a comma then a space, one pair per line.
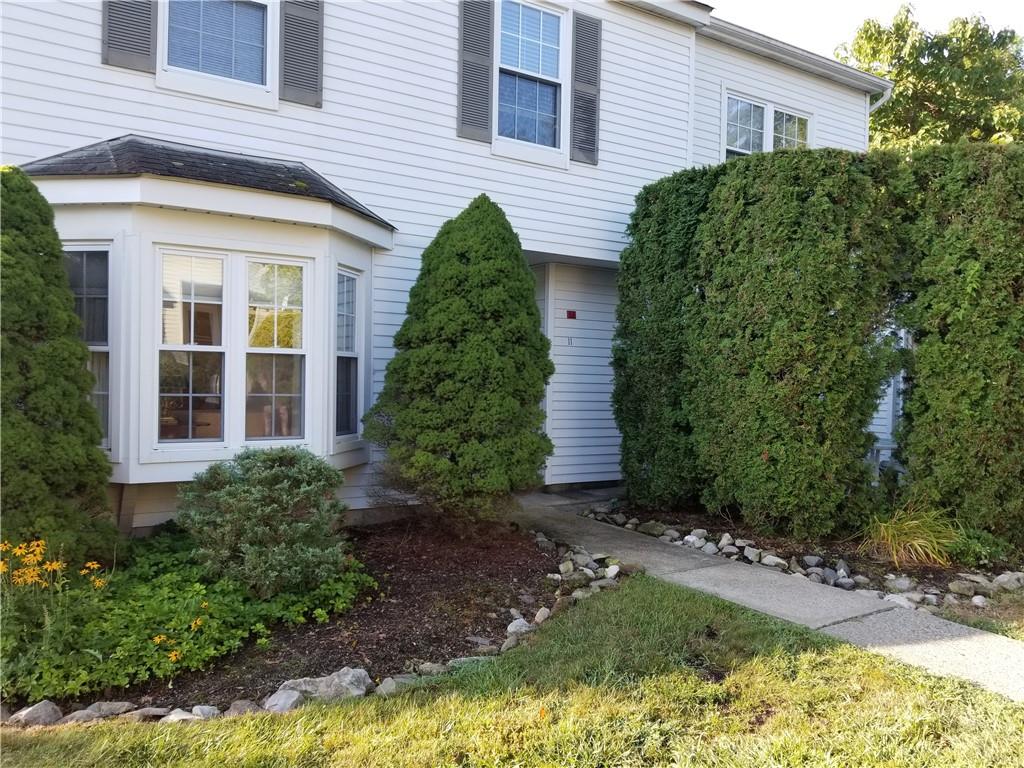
648, 675
1004, 615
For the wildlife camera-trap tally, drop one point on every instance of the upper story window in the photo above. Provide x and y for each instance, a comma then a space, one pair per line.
744, 128
749, 123
790, 130
529, 75
227, 38
89, 277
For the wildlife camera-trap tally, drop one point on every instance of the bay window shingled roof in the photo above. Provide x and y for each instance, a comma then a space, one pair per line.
133, 155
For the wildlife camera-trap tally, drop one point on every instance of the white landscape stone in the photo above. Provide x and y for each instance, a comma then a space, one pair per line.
979, 601
81, 716
205, 711
611, 571
178, 716
343, 684
519, 627
899, 600
43, 713
111, 708
541, 615
283, 701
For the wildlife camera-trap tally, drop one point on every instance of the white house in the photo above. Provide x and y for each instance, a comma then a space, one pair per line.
245, 187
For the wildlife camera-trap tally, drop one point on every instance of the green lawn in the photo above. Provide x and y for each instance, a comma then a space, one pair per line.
647, 675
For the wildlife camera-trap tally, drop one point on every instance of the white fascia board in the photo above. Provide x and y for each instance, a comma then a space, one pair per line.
692, 13
798, 58
222, 199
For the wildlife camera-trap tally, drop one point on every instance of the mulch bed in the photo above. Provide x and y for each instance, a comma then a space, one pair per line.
437, 586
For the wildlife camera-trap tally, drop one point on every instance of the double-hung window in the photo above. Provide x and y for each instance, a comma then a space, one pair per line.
226, 38
89, 277
346, 414
529, 74
748, 123
191, 356
275, 360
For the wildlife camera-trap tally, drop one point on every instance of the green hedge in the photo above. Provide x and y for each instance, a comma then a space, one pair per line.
652, 386
964, 444
794, 272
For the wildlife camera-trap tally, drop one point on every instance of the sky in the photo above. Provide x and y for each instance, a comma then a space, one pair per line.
822, 25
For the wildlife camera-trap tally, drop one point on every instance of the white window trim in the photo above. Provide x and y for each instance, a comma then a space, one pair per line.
516, 149
234, 342
343, 443
111, 445
769, 119
189, 81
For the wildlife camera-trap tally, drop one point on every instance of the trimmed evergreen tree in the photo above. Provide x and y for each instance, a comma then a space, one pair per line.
460, 416
54, 471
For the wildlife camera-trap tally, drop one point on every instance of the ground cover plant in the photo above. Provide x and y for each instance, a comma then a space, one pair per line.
459, 415
648, 675
55, 473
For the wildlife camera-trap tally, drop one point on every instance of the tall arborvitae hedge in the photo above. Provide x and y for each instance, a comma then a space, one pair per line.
794, 273
965, 439
653, 368
460, 413
54, 472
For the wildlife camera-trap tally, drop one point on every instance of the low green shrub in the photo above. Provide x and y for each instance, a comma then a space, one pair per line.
267, 519
70, 630
977, 548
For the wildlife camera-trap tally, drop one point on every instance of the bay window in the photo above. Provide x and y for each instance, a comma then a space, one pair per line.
89, 278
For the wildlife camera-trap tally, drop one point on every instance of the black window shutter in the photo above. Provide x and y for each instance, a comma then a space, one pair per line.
586, 88
129, 34
476, 58
302, 52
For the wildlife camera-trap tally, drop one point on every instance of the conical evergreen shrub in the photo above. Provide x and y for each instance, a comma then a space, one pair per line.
460, 415
54, 471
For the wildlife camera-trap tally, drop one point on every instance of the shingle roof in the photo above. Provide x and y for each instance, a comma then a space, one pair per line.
133, 155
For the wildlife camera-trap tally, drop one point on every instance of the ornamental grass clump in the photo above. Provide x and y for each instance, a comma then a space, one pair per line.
459, 416
268, 519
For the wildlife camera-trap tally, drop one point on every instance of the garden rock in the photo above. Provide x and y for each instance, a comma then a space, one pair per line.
389, 686
794, 566
611, 571
145, 713
565, 567
575, 579
205, 711
43, 713
752, 554
581, 594
464, 661
830, 576
872, 593
81, 716
699, 533
582, 559
542, 615
772, 561
343, 684
815, 577
604, 584
111, 708
589, 572
725, 541
179, 716
899, 583
672, 534
845, 583
812, 561
950, 599
242, 707
545, 545
842, 569
561, 603
429, 668
618, 518
652, 528
979, 601
729, 550
932, 600
899, 600
710, 548
914, 597
519, 627
862, 581
962, 587
284, 701
741, 543
1009, 581
513, 640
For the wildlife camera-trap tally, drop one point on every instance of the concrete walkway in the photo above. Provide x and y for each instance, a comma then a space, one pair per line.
914, 637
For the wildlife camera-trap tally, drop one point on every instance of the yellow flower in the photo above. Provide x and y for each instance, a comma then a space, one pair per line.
3, 566
204, 604
196, 623
54, 565
98, 583
83, 572
174, 655
92, 565
4, 546
32, 558
26, 576
159, 639
20, 550
38, 546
